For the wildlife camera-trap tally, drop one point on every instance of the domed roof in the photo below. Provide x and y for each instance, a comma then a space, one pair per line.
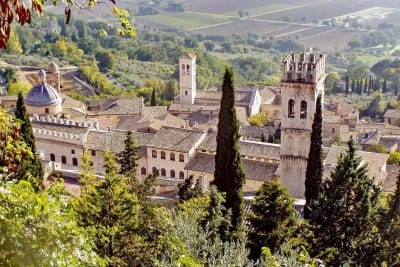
41, 95
52, 68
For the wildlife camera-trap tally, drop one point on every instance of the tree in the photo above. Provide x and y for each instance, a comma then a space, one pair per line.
153, 101
272, 218
188, 190
108, 209
33, 166
18, 11
39, 229
16, 87
314, 169
343, 214
229, 176
128, 157
105, 59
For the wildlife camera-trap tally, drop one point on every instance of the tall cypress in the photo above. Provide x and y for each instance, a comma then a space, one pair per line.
31, 166
153, 101
229, 176
347, 84
128, 158
315, 163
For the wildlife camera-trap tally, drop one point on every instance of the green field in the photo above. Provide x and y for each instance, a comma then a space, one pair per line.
261, 10
189, 20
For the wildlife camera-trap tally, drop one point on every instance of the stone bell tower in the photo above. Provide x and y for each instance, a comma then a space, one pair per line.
303, 78
187, 79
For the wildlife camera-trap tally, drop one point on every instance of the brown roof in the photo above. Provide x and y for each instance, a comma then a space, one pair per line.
58, 127
113, 141
69, 102
188, 56
121, 106
392, 113
254, 170
176, 139
155, 111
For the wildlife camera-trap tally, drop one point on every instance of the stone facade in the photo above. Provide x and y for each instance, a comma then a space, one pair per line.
302, 80
187, 79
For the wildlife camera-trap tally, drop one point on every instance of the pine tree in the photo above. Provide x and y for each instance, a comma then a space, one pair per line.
342, 216
366, 86
384, 86
229, 176
315, 163
273, 219
32, 169
128, 158
153, 101
353, 86
347, 84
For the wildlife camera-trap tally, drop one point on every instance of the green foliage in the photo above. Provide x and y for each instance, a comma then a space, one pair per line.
259, 119
229, 176
377, 148
188, 190
16, 87
153, 101
39, 229
343, 214
376, 108
314, 169
31, 168
128, 158
272, 218
394, 158
105, 59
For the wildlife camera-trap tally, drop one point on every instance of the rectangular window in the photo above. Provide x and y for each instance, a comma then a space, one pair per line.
93, 152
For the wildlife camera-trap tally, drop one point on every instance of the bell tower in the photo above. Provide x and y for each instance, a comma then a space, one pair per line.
187, 79
303, 78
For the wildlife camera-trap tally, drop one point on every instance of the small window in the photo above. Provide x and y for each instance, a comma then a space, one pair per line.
333, 130
46, 110
185, 92
181, 175
181, 158
52, 157
183, 68
187, 69
154, 154
75, 161
72, 151
163, 172
63, 159
154, 170
291, 108
143, 171
93, 152
172, 173
172, 156
303, 110
162, 154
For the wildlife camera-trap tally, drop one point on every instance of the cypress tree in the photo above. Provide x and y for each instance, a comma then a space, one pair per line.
187, 190
315, 163
153, 101
32, 169
342, 216
127, 158
353, 86
384, 86
347, 84
366, 86
229, 176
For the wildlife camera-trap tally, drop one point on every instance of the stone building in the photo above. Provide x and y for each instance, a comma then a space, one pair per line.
303, 79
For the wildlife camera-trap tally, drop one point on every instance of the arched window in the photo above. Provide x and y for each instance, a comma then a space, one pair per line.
172, 156
183, 69
154, 170
52, 157
181, 175
154, 154
172, 174
163, 172
291, 108
46, 110
63, 159
181, 158
162, 154
75, 161
143, 171
303, 110
187, 69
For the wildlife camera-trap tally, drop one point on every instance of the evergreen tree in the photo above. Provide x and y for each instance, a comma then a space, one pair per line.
366, 86
153, 101
128, 158
371, 83
353, 86
31, 169
342, 216
187, 190
273, 219
347, 84
315, 163
229, 176
384, 86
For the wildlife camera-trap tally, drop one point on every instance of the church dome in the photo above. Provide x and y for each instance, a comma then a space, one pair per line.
52, 68
41, 95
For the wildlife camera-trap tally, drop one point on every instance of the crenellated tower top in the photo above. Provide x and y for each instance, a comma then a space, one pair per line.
303, 68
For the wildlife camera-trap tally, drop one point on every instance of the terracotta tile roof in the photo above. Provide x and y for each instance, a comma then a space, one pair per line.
176, 139
58, 127
121, 106
392, 113
155, 111
254, 170
113, 141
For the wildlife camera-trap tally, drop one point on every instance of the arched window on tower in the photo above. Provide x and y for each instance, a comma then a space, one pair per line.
303, 110
291, 108
187, 69
183, 69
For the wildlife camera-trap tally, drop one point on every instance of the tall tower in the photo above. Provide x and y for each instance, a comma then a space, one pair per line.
187, 78
302, 80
